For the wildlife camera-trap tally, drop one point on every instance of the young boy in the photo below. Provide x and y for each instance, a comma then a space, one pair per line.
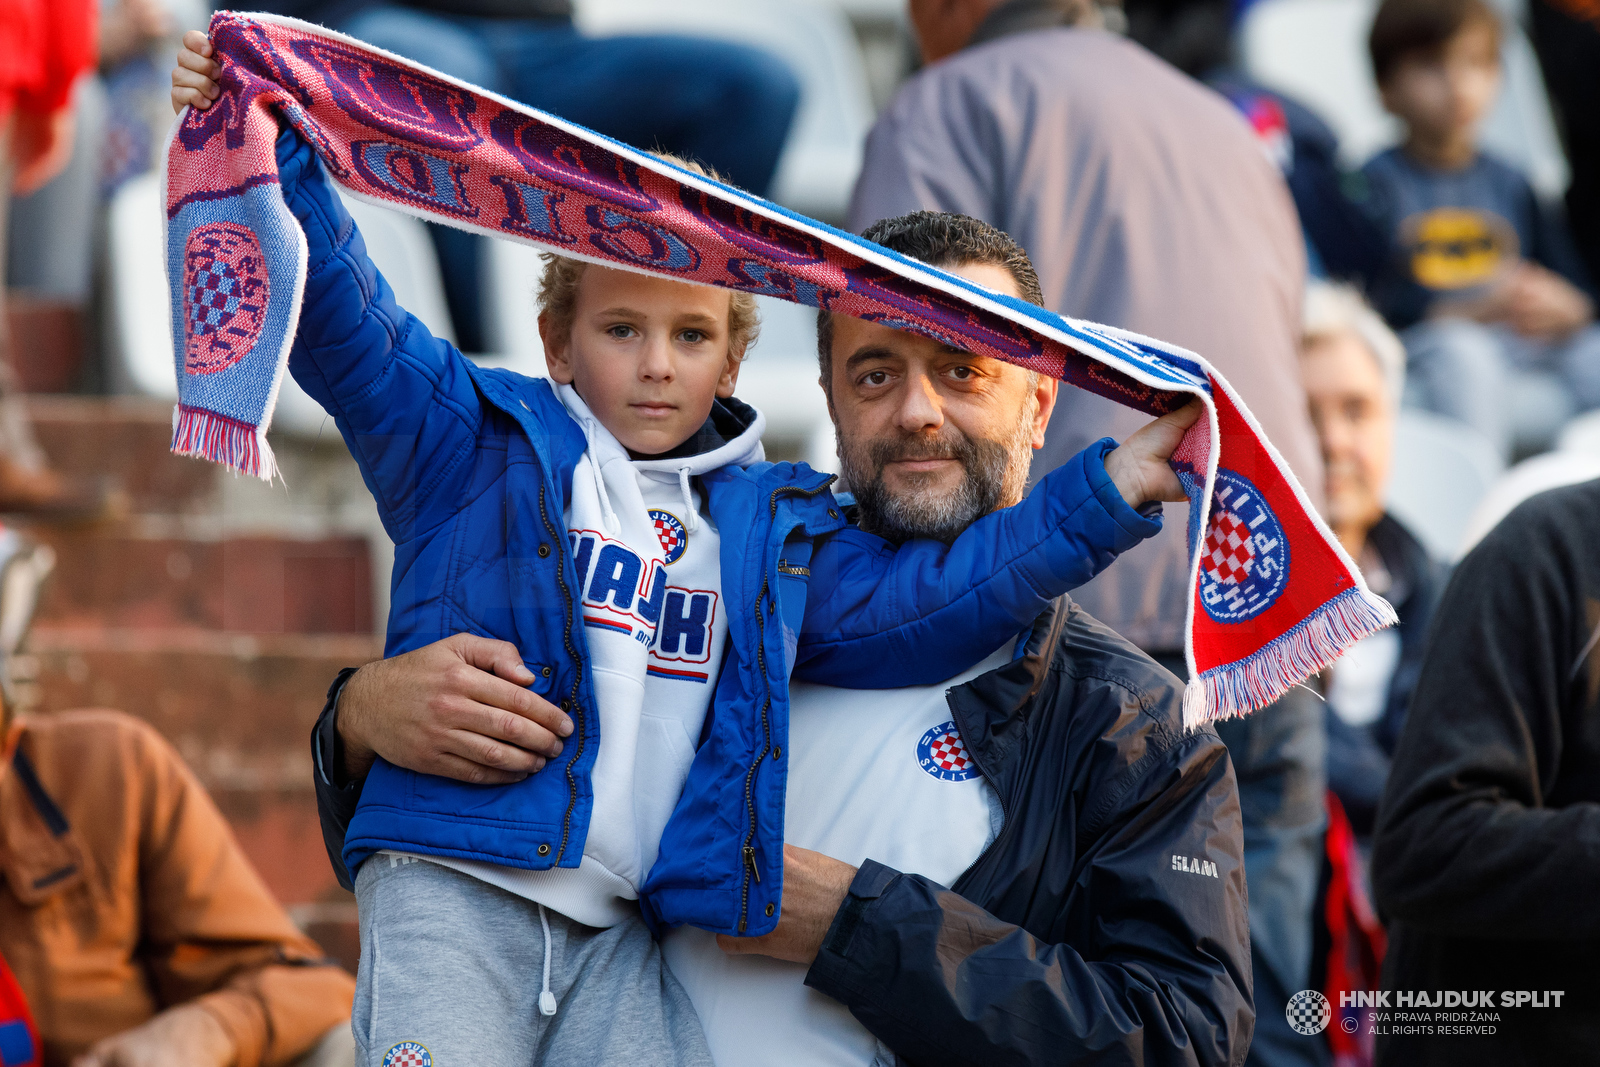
621, 530
1486, 280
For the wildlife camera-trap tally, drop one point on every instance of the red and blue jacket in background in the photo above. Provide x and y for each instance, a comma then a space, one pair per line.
19, 1040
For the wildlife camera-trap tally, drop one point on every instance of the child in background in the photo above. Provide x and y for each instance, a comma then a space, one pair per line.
681, 568
1483, 279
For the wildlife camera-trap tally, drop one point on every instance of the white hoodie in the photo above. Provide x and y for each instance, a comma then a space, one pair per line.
649, 566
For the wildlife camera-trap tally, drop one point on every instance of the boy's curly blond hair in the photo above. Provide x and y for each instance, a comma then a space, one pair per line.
558, 285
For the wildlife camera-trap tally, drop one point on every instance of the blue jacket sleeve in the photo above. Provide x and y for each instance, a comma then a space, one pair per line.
880, 617
403, 399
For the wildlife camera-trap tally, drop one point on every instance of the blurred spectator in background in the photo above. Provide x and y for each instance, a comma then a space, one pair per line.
1197, 37
138, 933
56, 231
1566, 35
1354, 369
1485, 281
1341, 239
45, 47
1146, 203
724, 104
1488, 843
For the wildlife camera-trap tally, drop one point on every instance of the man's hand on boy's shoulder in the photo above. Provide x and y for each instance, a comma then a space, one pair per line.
458, 708
1139, 466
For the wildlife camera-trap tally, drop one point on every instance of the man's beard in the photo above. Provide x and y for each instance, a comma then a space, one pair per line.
994, 474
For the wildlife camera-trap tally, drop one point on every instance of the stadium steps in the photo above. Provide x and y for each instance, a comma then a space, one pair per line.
218, 611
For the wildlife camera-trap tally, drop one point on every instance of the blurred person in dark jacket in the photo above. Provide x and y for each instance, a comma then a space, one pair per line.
1566, 35
1488, 842
1354, 369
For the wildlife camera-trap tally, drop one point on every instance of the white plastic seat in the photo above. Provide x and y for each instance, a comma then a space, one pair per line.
1532, 476
1442, 470
823, 154
1316, 52
141, 317
779, 375
509, 279
1582, 434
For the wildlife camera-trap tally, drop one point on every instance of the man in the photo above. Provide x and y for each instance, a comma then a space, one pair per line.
1043, 867
138, 933
1148, 204
1488, 841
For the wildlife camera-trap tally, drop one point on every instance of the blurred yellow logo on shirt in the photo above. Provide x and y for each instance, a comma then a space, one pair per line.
1453, 248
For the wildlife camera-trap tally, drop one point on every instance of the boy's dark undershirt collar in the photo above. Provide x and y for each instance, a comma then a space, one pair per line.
728, 419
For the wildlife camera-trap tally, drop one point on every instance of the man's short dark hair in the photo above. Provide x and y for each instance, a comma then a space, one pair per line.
939, 239
1406, 28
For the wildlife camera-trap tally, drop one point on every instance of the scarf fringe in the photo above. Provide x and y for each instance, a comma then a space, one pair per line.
1237, 688
239, 446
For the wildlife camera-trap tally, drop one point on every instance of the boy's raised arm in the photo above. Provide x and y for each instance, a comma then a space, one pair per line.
879, 617
403, 399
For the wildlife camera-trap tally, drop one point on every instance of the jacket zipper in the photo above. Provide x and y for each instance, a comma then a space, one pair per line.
1005, 815
577, 660
748, 852
1005, 807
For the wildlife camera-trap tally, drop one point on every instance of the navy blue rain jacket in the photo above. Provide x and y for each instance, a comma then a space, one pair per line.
472, 469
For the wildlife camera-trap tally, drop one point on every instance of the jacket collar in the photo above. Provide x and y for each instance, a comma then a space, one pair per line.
990, 711
1020, 16
39, 855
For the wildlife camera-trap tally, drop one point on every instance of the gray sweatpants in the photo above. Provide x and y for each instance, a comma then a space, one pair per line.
452, 969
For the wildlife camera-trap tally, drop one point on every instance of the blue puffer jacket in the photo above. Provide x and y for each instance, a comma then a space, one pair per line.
472, 469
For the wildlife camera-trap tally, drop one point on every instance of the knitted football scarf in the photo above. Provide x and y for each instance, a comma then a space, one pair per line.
1273, 597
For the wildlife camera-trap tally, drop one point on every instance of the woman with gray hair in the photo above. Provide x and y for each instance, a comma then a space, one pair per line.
1353, 367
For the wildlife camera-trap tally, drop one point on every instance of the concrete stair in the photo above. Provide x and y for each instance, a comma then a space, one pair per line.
218, 611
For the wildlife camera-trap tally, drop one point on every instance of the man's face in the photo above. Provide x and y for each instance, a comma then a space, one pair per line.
1354, 418
931, 437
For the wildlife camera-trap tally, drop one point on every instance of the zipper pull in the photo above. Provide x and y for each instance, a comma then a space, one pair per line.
750, 861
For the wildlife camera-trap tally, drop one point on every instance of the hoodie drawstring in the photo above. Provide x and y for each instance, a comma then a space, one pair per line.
607, 513
547, 999
693, 520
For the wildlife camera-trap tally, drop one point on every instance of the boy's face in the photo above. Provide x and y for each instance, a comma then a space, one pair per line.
1446, 92
648, 355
